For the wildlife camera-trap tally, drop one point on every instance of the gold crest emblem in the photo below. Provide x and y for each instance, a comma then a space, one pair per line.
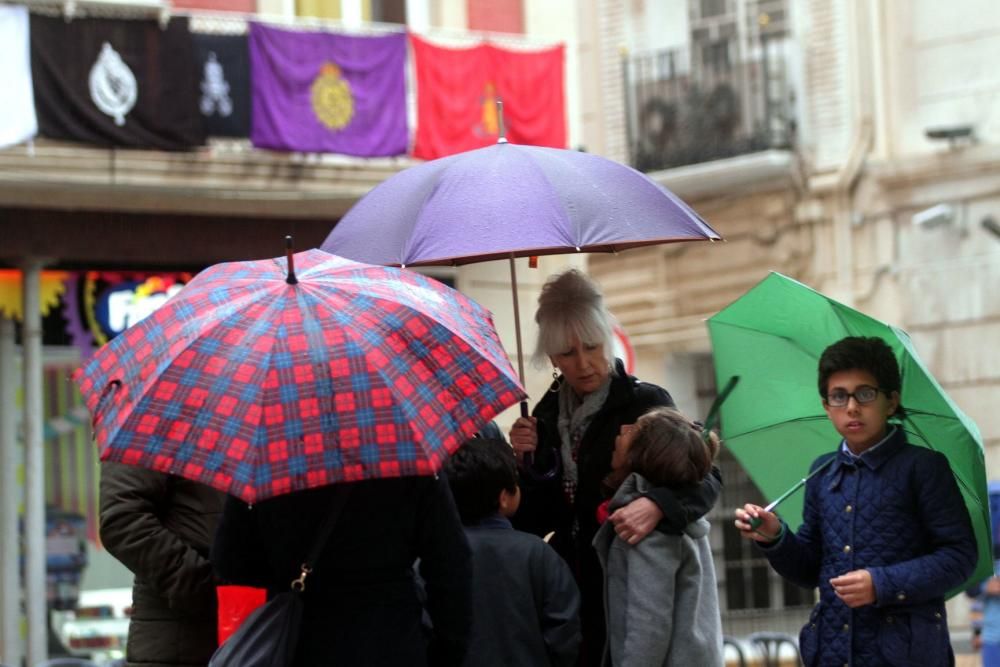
332, 101
489, 120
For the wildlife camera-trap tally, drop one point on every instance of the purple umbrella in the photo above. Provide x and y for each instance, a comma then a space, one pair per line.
507, 201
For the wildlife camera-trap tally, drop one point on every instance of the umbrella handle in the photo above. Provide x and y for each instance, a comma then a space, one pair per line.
528, 467
115, 384
528, 458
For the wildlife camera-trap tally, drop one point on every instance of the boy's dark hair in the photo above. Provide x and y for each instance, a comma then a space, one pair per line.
668, 450
477, 473
872, 355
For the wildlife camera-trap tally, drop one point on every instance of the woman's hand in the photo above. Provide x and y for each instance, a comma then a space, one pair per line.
770, 526
636, 520
524, 436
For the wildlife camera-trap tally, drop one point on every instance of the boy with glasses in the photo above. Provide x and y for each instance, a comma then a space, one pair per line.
885, 533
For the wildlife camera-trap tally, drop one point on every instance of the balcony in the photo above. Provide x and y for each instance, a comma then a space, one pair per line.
685, 109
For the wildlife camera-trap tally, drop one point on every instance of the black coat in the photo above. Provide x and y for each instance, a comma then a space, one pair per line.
161, 527
544, 507
526, 603
361, 601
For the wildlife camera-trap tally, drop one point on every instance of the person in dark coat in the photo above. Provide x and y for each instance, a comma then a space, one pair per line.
361, 602
565, 446
526, 606
885, 533
161, 528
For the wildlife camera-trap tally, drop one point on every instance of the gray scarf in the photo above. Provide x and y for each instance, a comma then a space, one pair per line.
574, 418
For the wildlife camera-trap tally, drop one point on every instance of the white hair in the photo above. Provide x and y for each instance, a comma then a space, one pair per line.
571, 304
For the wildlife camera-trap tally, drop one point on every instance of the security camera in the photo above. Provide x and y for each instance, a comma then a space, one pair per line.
950, 133
991, 225
935, 216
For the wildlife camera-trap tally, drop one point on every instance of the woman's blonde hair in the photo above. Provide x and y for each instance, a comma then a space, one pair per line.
668, 450
571, 304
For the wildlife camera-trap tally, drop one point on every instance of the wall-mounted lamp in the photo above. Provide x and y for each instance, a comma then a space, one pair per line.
951, 133
990, 224
935, 216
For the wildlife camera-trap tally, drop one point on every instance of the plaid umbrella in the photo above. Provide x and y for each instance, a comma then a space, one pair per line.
259, 382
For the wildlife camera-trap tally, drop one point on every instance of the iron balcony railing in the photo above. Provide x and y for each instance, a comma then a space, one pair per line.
681, 112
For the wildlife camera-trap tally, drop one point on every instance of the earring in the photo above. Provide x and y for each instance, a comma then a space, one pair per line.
556, 377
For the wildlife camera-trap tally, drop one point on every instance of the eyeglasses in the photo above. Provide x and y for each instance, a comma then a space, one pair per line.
838, 398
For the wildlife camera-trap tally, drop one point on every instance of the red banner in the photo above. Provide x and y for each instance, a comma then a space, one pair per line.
457, 89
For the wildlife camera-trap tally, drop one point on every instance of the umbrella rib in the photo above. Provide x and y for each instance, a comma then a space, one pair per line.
789, 339
759, 429
915, 429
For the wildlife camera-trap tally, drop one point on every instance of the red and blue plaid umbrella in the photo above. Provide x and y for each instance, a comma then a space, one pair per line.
258, 386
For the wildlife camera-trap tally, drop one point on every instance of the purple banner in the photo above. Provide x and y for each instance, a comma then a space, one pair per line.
321, 92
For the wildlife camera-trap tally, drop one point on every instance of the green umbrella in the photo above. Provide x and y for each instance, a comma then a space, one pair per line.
774, 422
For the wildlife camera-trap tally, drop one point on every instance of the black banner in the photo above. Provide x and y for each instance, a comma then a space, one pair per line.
224, 84
116, 82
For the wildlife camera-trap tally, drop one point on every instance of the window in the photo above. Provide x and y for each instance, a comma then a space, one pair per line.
496, 15
750, 592
389, 11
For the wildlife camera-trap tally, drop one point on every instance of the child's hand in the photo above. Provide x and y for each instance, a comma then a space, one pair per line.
636, 520
854, 588
770, 526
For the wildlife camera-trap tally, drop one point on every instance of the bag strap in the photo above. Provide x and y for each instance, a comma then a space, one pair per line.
341, 494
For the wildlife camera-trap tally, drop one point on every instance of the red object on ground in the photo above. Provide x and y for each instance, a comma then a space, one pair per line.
235, 604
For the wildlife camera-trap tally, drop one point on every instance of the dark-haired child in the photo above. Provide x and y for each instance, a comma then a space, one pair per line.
885, 533
526, 605
660, 594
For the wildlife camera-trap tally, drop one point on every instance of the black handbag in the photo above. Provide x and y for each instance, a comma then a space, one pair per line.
269, 636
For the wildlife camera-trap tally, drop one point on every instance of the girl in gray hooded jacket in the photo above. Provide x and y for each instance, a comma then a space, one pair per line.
660, 595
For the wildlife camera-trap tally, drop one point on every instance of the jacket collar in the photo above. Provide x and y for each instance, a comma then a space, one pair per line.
872, 459
879, 454
494, 522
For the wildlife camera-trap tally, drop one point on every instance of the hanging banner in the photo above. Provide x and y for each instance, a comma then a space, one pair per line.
224, 84
457, 91
18, 122
116, 82
324, 92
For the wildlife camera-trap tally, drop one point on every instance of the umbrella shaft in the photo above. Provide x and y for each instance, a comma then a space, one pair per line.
756, 521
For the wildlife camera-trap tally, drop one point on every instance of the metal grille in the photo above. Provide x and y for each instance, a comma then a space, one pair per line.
727, 93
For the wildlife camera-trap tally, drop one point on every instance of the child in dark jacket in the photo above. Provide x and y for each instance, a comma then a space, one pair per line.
526, 604
885, 533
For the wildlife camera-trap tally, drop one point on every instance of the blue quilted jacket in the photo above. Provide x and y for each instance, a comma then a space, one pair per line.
897, 512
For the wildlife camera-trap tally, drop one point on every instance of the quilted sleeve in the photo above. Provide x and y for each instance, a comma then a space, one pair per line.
798, 556
950, 546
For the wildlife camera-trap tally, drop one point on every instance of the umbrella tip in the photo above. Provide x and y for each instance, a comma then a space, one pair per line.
502, 138
290, 279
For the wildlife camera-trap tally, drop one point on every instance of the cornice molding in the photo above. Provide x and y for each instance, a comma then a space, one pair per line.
215, 180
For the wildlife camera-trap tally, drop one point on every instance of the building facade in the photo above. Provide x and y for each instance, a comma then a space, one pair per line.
854, 146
